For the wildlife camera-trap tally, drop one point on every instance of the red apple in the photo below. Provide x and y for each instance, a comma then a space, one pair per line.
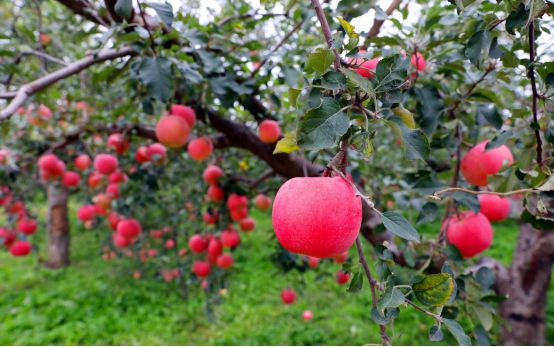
215, 193
20, 248
262, 202
141, 155
117, 177
172, 131
86, 213
157, 153
185, 112
313, 262
494, 207
247, 224
129, 228
478, 164
418, 61
342, 277
224, 261
200, 148
82, 162
236, 202
105, 163
113, 190
230, 238
114, 218
341, 258
215, 248
119, 143
27, 226
94, 179
120, 241
201, 268
317, 216
288, 296
197, 243
210, 218
239, 214
363, 67
71, 179
212, 174
169, 244
470, 232
307, 315
269, 131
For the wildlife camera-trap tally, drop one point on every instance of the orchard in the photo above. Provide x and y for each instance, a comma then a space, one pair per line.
277, 172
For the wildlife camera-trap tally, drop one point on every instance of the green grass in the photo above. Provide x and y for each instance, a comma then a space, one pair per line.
98, 302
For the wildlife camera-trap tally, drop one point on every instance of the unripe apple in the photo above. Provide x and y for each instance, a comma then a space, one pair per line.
230, 238
172, 131
157, 153
141, 155
269, 131
129, 228
86, 213
317, 216
224, 261
470, 232
118, 143
27, 226
200, 148
418, 61
94, 179
120, 241
307, 315
478, 164
71, 179
20, 248
288, 296
197, 243
105, 163
82, 162
215, 248
342, 277
201, 268
215, 193
247, 224
236, 202
185, 112
494, 207
262, 202
212, 174
169, 244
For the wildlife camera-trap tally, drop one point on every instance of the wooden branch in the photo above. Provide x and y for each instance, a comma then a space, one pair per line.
26, 90
326, 30
531, 74
377, 23
86, 10
436, 195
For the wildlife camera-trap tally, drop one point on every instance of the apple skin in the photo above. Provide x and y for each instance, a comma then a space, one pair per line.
224, 261
197, 243
105, 163
288, 296
27, 226
269, 131
341, 258
365, 68
20, 248
185, 112
307, 315
157, 153
313, 262
418, 61
120, 241
169, 244
172, 131
141, 155
229, 238
82, 162
215, 248
236, 202
239, 214
262, 202
317, 216
201, 268
342, 277
247, 224
477, 164
212, 174
129, 228
119, 143
86, 213
470, 232
494, 207
200, 148
215, 193
71, 179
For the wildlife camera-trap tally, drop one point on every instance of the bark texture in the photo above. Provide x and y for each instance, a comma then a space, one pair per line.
58, 227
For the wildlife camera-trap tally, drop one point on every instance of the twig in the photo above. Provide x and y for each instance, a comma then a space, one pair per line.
373, 287
26, 90
326, 30
436, 195
531, 74
421, 309
281, 43
152, 46
377, 23
468, 93
250, 15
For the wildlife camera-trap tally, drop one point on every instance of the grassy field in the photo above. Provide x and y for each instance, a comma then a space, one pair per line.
98, 302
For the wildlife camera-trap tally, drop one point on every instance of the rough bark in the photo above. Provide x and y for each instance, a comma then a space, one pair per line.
526, 287
58, 227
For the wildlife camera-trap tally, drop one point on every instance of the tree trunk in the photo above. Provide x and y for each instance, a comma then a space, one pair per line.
526, 287
58, 227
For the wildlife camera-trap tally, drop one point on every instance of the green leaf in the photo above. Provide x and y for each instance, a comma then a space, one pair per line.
287, 144
319, 61
485, 277
391, 72
293, 96
406, 116
481, 336
348, 28
362, 143
509, 59
164, 11
359, 81
498, 140
156, 75
322, 127
517, 19
435, 334
489, 114
124, 8
398, 225
478, 46
380, 318
429, 108
392, 297
356, 283
457, 331
428, 213
333, 80
435, 289
467, 199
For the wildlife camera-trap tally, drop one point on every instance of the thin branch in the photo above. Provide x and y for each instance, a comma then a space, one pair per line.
421, 309
251, 15
26, 90
326, 30
373, 287
152, 44
377, 23
436, 195
270, 54
531, 74
85, 9
471, 88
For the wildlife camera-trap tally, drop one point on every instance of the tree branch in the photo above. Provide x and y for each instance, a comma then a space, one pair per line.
531, 74
85, 9
26, 90
326, 30
436, 195
377, 23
